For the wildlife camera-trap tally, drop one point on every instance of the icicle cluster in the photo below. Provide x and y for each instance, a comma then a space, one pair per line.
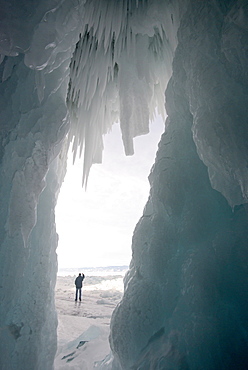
119, 71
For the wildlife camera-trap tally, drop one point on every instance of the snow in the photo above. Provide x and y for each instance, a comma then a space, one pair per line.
83, 327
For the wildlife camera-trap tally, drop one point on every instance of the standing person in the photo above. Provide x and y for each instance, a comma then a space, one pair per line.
79, 284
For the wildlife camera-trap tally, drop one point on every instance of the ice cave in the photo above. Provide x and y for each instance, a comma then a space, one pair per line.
69, 70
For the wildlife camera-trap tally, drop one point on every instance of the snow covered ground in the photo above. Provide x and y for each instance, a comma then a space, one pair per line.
83, 327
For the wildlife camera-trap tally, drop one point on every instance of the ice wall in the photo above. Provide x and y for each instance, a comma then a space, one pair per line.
185, 300
34, 72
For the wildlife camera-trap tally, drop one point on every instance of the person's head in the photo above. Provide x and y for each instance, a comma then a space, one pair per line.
79, 274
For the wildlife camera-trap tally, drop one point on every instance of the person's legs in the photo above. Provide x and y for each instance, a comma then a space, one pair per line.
80, 291
76, 294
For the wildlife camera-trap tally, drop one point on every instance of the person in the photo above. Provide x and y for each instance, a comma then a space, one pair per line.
79, 284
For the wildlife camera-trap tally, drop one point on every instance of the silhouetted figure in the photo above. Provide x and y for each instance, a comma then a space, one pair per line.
79, 284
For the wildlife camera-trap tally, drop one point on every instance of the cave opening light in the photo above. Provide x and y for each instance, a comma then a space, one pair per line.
95, 225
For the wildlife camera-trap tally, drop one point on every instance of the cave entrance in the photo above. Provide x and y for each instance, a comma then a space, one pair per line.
95, 230
95, 226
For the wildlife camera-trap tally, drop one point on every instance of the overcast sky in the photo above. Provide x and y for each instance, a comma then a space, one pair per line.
95, 226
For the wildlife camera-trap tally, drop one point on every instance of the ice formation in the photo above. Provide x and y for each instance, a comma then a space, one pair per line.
119, 70
71, 68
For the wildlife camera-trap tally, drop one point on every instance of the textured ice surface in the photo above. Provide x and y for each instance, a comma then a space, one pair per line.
189, 260
220, 108
34, 122
74, 67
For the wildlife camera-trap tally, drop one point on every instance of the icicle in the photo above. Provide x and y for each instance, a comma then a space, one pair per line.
1, 58
118, 70
8, 67
40, 84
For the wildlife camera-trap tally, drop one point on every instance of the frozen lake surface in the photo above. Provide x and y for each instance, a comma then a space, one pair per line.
83, 327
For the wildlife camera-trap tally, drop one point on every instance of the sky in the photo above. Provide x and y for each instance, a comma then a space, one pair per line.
96, 225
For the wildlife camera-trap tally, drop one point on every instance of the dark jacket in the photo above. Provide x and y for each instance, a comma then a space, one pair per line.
79, 281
